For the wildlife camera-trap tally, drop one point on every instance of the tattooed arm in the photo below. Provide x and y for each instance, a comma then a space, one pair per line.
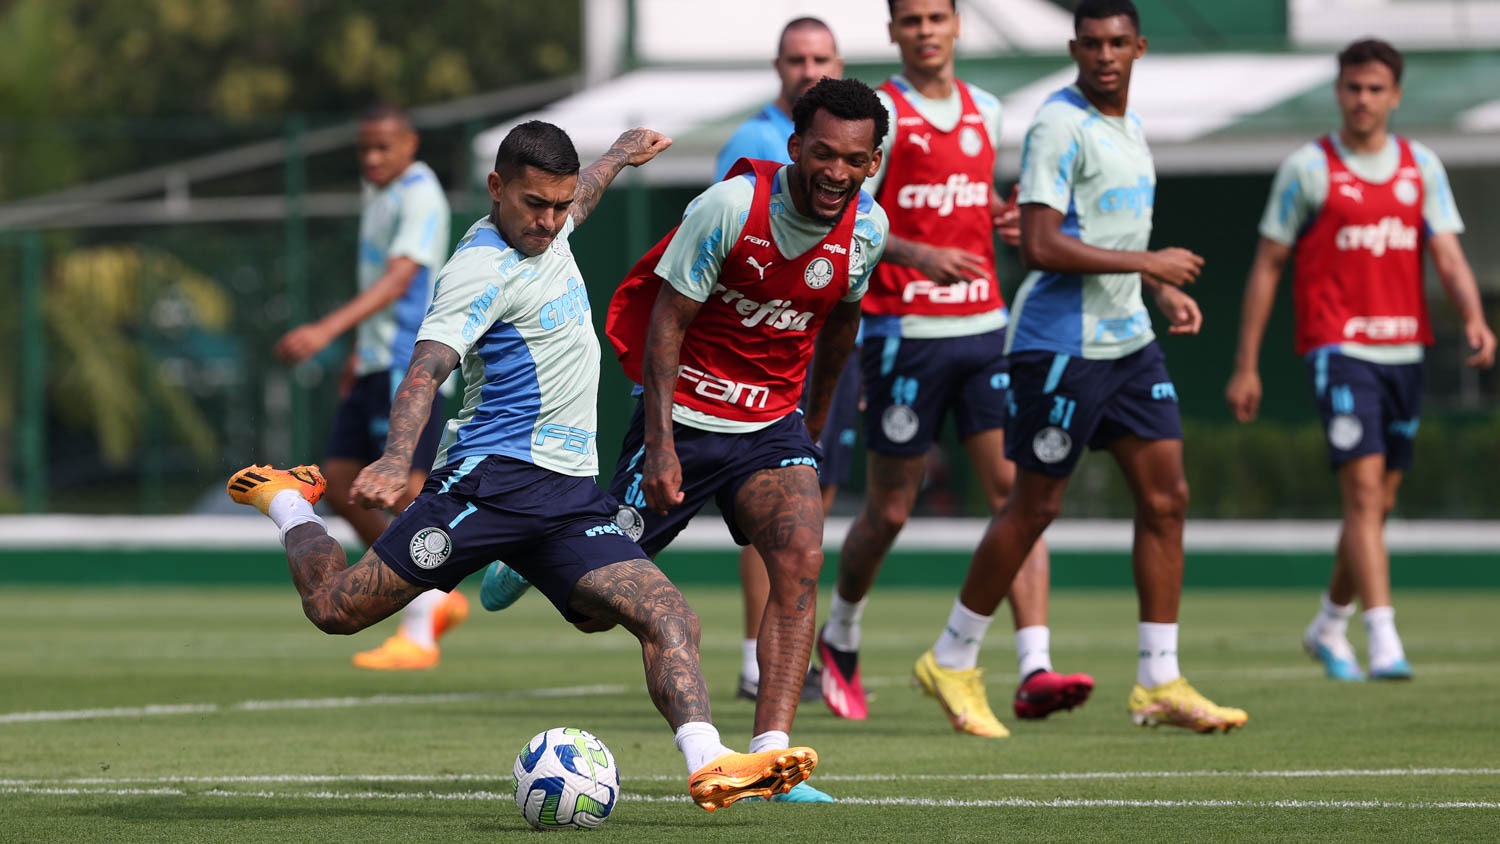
632, 149
383, 483
661, 474
831, 350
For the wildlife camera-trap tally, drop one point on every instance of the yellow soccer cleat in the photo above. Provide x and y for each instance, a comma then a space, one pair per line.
453, 612
735, 776
397, 653
961, 694
257, 485
1178, 704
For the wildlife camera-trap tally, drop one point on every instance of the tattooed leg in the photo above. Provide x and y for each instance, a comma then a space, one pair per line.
781, 510
636, 595
338, 597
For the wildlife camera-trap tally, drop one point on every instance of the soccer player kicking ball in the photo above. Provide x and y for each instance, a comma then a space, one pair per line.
515, 479
1359, 206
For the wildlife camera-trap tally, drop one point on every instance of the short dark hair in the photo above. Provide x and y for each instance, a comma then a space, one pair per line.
846, 99
805, 22
1368, 50
890, 6
538, 144
387, 111
1096, 10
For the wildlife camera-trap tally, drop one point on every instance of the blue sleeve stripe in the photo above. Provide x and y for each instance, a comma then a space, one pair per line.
484, 237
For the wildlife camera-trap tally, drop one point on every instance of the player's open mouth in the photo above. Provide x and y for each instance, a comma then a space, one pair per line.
825, 193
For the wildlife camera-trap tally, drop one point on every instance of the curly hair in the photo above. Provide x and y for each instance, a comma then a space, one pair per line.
846, 99
1368, 50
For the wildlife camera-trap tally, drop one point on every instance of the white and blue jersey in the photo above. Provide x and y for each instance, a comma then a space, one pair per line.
1097, 171
762, 136
407, 218
530, 356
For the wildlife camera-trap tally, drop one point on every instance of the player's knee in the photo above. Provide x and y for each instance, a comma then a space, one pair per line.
1168, 503
794, 565
888, 515
329, 619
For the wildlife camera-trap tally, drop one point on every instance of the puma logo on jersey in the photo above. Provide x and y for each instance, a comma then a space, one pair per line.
922, 140
1353, 192
1388, 234
759, 267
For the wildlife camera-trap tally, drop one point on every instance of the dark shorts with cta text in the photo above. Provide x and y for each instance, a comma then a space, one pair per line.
911, 384
1366, 408
1061, 403
714, 467
551, 528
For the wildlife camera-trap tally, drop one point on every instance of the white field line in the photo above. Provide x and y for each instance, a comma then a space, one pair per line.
305, 703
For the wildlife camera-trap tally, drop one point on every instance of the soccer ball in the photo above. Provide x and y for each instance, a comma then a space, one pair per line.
565, 778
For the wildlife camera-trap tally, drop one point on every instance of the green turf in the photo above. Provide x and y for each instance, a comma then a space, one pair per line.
277, 739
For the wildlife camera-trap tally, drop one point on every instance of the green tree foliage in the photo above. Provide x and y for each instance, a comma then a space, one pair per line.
72, 71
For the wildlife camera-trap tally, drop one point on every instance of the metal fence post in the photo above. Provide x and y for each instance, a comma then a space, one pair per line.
32, 430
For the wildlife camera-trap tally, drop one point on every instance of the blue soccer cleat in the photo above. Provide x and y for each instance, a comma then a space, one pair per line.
502, 587
803, 792
1398, 670
1338, 663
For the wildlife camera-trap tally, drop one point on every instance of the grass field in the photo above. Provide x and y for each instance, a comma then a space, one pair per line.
220, 714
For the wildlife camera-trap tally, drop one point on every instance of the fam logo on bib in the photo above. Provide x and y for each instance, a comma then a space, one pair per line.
818, 273
430, 548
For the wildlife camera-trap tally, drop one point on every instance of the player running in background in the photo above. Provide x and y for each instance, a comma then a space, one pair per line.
934, 336
516, 476
805, 54
756, 291
1358, 207
403, 241
1084, 363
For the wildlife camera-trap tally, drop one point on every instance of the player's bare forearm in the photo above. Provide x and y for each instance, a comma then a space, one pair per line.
638, 596
632, 149
1260, 297
1044, 246
670, 317
391, 285
337, 597
830, 353
431, 363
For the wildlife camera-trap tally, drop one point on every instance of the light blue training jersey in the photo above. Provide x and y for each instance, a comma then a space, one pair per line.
530, 356
762, 136
1097, 171
407, 218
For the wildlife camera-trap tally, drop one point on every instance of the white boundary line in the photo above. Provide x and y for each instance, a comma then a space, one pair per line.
251, 532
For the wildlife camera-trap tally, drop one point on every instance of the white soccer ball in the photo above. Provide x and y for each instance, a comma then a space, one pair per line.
565, 778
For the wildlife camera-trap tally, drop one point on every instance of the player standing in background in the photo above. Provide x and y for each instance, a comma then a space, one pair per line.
403, 241
934, 334
805, 54
1084, 362
722, 322
1358, 206
516, 476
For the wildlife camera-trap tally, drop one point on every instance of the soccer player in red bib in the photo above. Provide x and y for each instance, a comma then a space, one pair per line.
718, 323
934, 339
1354, 211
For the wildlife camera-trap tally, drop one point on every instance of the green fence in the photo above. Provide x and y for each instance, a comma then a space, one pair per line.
137, 370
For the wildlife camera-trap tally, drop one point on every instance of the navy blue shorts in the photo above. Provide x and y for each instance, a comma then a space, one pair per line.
910, 385
364, 418
1367, 408
714, 466
551, 528
1061, 401
837, 440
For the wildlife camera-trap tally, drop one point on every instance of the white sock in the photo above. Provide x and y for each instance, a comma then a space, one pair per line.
770, 740
1331, 624
1157, 654
1384, 641
289, 509
416, 619
749, 664
958, 646
1033, 649
842, 630
699, 743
